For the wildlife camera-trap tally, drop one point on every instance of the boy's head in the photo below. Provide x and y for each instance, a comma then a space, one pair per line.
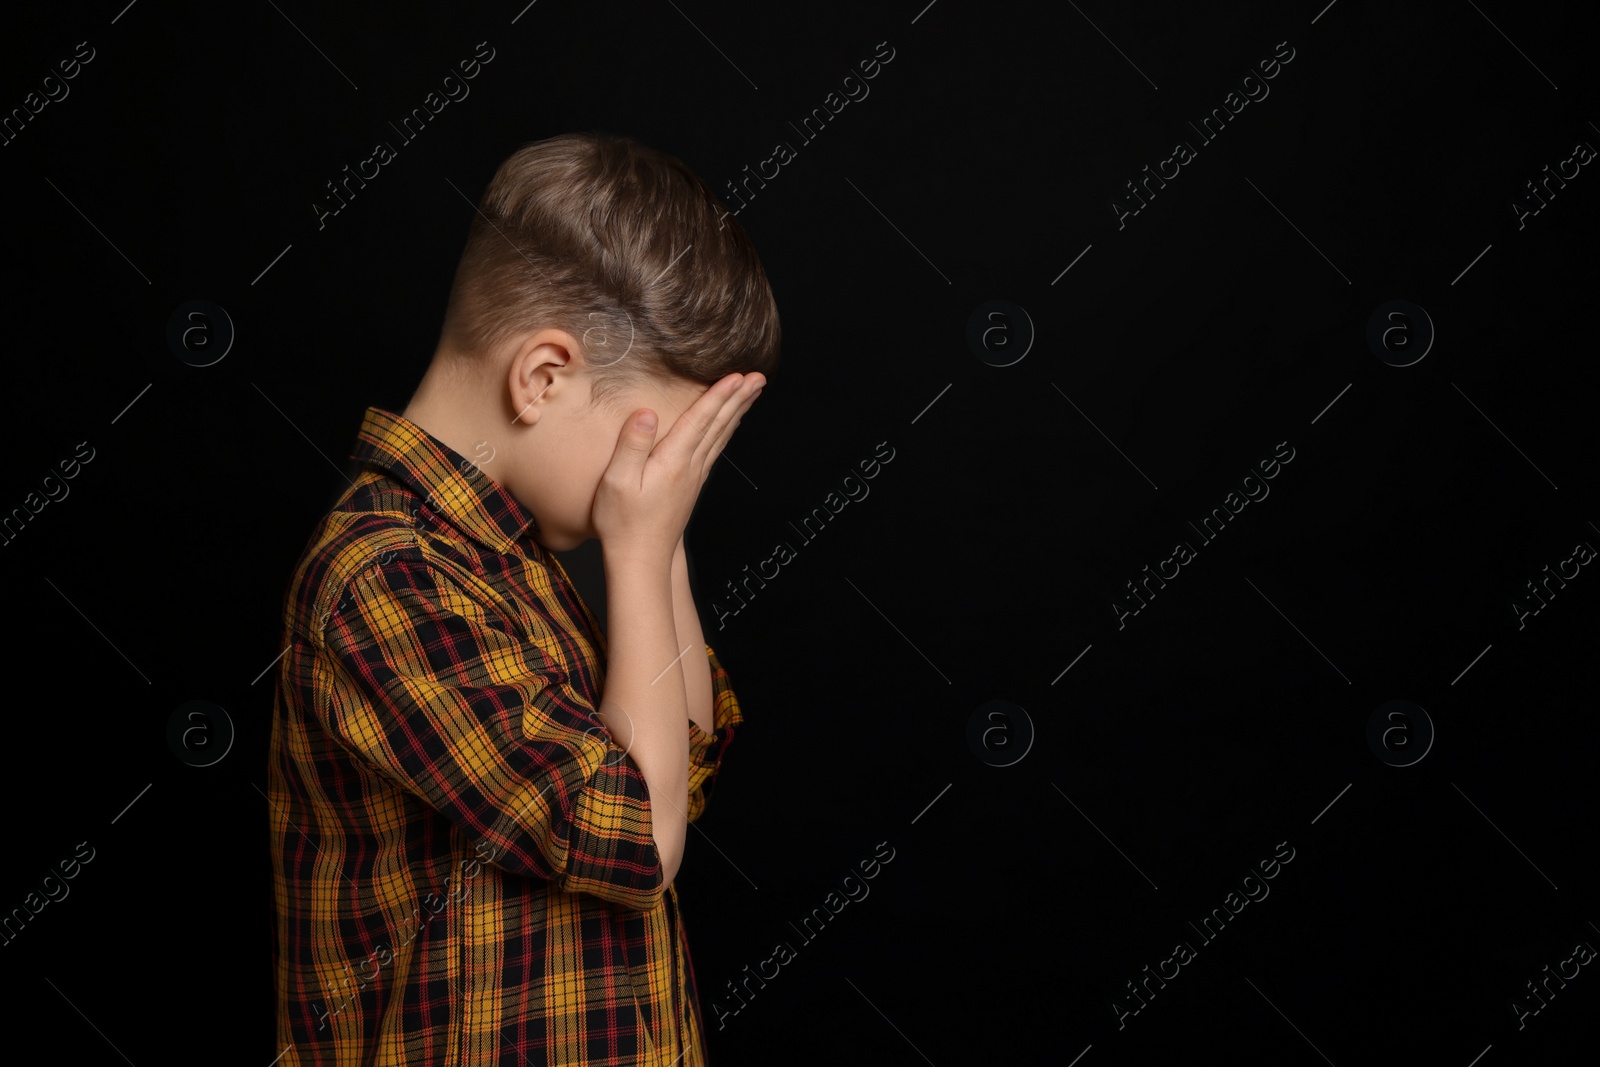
599, 277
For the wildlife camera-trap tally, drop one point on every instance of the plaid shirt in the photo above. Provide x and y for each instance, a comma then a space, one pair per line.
463, 868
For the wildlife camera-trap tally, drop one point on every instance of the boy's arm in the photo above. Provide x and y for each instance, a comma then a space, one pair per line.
428, 687
643, 704
696, 668
711, 698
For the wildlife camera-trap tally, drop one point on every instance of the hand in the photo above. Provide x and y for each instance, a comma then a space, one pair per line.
650, 487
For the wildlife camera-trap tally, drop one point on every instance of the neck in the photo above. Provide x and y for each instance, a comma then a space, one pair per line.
446, 412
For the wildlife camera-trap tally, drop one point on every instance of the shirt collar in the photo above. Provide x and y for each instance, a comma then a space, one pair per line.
449, 484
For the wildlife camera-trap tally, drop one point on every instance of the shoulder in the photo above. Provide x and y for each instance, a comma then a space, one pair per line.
372, 525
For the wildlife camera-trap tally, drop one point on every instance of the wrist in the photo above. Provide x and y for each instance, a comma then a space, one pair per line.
636, 559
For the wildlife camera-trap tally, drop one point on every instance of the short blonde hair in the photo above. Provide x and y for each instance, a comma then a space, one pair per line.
624, 247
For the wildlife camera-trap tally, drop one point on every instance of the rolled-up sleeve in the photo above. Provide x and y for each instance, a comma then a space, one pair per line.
706, 751
436, 691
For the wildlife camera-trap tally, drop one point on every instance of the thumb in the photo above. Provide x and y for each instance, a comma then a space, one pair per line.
637, 438
642, 428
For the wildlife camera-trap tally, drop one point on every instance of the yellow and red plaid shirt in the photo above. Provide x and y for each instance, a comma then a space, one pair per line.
463, 866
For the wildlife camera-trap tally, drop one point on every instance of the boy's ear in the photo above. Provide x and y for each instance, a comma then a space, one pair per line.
544, 365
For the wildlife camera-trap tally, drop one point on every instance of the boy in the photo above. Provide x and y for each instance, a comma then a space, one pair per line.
478, 800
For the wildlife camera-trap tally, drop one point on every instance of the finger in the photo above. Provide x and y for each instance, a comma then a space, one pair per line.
717, 435
634, 442
686, 443
724, 433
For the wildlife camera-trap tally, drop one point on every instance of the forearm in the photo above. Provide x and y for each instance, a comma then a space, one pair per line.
686, 623
643, 703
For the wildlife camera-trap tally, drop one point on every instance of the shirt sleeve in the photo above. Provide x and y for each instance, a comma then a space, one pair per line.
707, 750
435, 690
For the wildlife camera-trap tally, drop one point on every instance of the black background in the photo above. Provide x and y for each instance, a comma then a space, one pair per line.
1179, 749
